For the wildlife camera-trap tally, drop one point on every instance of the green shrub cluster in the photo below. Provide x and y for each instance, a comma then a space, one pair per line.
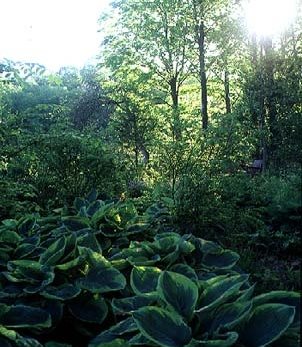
262, 211
99, 274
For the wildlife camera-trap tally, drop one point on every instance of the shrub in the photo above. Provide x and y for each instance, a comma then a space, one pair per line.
100, 274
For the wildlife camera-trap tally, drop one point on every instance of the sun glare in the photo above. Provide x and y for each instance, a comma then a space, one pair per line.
270, 17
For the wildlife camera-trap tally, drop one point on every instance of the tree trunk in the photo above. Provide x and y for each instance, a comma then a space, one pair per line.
270, 97
176, 126
227, 91
200, 35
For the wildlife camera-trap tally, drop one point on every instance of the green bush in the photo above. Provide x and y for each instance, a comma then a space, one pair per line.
99, 274
238, 209
58, 168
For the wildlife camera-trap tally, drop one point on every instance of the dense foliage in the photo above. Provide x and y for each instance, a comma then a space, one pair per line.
189, 129
100, 274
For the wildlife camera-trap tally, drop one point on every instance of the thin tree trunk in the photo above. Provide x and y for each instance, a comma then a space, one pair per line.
227, 91
176, 126
262, 115
203, 76
270, 97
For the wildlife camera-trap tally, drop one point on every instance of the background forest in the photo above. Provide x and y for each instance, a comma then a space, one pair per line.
181, 103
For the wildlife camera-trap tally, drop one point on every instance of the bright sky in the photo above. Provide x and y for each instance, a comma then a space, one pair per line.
50, 32
270, 17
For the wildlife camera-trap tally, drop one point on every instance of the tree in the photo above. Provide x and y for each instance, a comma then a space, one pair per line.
154, 36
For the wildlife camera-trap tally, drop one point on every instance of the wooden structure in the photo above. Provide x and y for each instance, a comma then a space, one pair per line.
255, 168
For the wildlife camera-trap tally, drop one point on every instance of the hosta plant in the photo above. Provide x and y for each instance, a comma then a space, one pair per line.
98, 274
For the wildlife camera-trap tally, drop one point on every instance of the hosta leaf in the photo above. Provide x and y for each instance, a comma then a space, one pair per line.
94, 207
89, 240
70, 248
114, 343
126, 326
54, 252
92, 195
127, 305
56, 344
24, 250
63, 292
10, 223
71, 264
21, 316
94, 258
141, 340
246, 294
74, 223
143, 261
31, 272
266, 324
3, 309
144, 279
224, 260
225, 340
9, 236
136, 228
11, 291
229, 315
185, 270
102, 280
281, 297
27, 342
79, 203
186, 247
8, 334
162, 327
220, 291
179, 292
166, 244
206, 246
26, 226
55, 309
91, 309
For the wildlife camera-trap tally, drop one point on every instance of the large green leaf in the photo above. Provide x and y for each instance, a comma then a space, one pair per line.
124, 327
21, 316
220, 291
163, 327
78, 261
74, 223
185, 270
101, 279
63, 292
24, 250
144, 279
230, 315
127, 305
9, 236
166, 244
56, 344
54, 252
266, 324
34, 275
225, 340
281, 297
143, 261
113, 343
206, 246
179, 292
91, 309
223, 260
141, 340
